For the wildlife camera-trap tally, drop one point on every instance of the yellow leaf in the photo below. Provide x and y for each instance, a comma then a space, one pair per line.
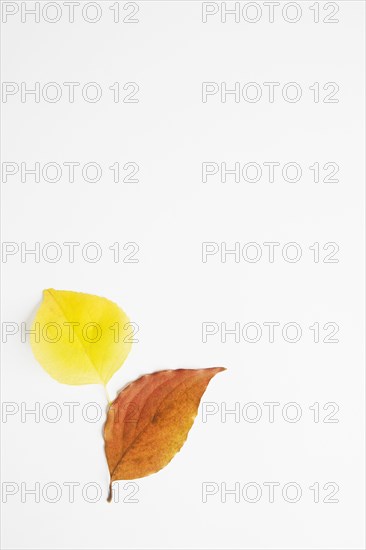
80, 338
149, 421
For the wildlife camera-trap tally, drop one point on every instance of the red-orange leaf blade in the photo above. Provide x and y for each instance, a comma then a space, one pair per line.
149, 421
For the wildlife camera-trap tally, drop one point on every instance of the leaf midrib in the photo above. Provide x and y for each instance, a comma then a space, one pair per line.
150, 421
77, 335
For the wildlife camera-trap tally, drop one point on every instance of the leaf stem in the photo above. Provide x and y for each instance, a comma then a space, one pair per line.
110, 494
107, 395
109, 499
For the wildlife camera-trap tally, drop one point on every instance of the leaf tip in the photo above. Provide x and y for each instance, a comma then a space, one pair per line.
48, 292
218, 369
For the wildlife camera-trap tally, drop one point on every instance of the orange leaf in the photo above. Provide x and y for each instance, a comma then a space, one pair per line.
149, 421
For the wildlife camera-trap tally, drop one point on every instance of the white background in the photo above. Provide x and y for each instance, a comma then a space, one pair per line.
171, 292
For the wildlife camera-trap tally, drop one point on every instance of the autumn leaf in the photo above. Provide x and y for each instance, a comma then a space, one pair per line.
80, 338
149, 421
